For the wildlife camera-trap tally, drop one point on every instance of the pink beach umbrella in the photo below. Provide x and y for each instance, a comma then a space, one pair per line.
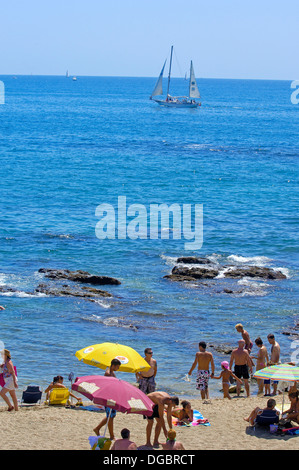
114, 393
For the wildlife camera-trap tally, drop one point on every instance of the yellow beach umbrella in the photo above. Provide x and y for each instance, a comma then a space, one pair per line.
101, 355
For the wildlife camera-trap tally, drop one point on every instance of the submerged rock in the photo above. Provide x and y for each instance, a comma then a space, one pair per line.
65, 290
79, 276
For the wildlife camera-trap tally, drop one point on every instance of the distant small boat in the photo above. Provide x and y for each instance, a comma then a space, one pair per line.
67, 74
74, 78
177, 101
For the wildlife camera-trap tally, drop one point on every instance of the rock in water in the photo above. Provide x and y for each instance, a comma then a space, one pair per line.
79, 276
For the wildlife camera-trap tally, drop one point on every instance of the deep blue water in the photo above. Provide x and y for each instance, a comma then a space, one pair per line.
66, 147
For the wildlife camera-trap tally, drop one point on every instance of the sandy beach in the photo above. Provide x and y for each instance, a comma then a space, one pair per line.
55, 428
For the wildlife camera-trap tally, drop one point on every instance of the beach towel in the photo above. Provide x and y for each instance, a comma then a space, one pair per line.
90, 408
197, 420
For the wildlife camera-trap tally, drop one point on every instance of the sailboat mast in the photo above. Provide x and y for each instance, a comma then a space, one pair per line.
169, 71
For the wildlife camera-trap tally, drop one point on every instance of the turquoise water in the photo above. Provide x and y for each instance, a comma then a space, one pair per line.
66, 147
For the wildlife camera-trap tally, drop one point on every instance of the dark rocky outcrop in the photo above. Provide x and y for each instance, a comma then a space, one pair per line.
253, 272
87, 293
79, 276
193, 260
185, 273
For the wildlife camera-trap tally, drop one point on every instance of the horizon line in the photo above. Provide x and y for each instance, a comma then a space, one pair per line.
131, 76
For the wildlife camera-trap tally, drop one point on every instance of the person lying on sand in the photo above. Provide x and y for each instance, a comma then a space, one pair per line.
184, 414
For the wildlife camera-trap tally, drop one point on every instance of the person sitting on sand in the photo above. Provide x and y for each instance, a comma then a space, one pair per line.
171, 443
58, 383
184, 414
124, 443
293, 412
225, 375
271, 403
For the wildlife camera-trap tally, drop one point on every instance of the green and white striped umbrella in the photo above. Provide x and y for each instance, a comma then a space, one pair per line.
283, 372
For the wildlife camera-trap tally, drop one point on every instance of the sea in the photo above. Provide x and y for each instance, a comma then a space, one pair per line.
67, 147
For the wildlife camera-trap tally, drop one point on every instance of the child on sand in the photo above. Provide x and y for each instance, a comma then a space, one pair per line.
225, 374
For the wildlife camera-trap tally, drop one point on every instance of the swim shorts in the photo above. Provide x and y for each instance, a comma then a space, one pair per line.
155, 413
202, 379
113, 412
147, 384
242, 371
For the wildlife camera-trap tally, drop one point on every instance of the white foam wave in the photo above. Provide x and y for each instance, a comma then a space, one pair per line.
284, 271
256, 260
103, 303
23, 294
169, 260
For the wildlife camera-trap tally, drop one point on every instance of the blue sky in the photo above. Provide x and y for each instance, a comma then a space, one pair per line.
224, 38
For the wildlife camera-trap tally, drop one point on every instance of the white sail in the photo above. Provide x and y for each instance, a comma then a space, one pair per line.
158, 90
193, 89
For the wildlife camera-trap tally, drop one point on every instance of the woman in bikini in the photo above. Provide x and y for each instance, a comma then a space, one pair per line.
58, 383
262, 359
225, 375
293, 412
185, 414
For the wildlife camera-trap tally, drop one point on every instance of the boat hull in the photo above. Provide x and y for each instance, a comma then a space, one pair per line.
175, 104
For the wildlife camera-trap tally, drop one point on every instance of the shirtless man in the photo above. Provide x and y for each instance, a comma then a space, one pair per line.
162, 401
245, 335
274, 358
262, 360
203, 360
110, 414
124, 443
243, 362
146, 378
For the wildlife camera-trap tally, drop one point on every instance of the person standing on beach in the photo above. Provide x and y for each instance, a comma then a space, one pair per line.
162, 401
204, 361
245, 335
110, 414
243, 363
11, 381
262, 360
274, 358
146, 379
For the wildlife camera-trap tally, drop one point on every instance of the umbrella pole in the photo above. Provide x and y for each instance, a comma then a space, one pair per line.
107, 422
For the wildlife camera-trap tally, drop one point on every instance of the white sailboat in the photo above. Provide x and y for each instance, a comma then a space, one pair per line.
176, 101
